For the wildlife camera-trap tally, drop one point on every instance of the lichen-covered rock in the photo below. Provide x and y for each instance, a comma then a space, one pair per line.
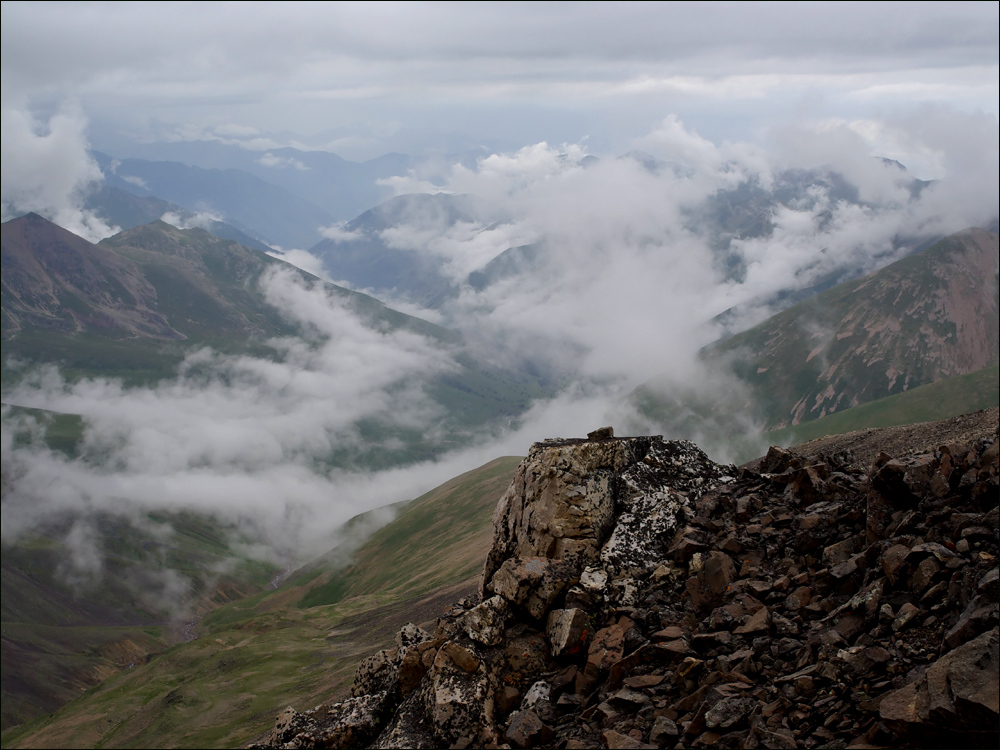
641, 533
561, 502
532, 582
378, 673
568, 495
729, 609
568, 630
457, 698
484, 623
351, 723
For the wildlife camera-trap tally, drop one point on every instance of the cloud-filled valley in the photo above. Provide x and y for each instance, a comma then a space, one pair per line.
643, 236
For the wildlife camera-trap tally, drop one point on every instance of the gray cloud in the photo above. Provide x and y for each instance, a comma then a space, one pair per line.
46, 168
235, 436
376, 73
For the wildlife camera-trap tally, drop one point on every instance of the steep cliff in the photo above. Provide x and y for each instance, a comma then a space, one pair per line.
638, 595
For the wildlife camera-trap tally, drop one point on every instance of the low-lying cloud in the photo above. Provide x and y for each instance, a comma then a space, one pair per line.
235, 436
632, 270
46, 168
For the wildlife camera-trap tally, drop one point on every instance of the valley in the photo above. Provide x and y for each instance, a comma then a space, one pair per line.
214, 459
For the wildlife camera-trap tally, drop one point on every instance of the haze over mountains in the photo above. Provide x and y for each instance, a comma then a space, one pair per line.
269, 277
566, 280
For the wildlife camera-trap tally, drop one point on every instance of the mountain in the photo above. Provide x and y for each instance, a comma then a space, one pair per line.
686, 597
921, 319
57, 281
341, 187
926, 317
959, 394
382, 249
389, 249
135, 304
249, 203
511, 262
118, 208
64, 632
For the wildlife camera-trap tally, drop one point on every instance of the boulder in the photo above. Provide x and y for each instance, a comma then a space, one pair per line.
568, 631
956, 700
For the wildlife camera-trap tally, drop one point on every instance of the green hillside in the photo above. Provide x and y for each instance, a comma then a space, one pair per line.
65, 629
925, 318
921, 319
298, 643
927, 403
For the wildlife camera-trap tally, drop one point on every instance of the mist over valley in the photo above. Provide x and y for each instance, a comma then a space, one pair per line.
271, 321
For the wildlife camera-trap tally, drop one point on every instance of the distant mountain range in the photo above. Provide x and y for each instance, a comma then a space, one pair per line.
259, 208
125, 210
364, 254
135, 304
367, 252
339, 186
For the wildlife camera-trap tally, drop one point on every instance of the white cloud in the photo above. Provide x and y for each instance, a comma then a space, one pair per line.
278, 162
236, 436
303, 259
46, 168
202, 219
135, 180
339, 233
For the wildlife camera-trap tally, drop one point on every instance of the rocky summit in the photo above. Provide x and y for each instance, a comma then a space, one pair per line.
638, 595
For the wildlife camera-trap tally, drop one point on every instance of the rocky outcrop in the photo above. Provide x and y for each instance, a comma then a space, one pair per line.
638, 595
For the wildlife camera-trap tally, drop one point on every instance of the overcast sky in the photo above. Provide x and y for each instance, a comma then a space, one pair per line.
362, 79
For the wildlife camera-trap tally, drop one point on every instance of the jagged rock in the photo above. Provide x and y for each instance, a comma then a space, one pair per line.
664, 731
712, 580
568, 631
411, 635
409, 728
607, 647
525, 729
456, 695
896, 484
378, 673
562, 501
485, 622
957, 698
532, 582
979, 615
348, 724
729, 711
617, 741
728, 612
637, 541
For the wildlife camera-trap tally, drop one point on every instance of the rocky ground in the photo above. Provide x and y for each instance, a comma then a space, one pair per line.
639, 595
924, 437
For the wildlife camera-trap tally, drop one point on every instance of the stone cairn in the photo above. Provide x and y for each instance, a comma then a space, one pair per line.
637, 595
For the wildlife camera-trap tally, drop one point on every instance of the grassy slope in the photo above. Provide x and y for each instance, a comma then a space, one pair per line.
298, 644
63, 634
845, 340
960, 394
